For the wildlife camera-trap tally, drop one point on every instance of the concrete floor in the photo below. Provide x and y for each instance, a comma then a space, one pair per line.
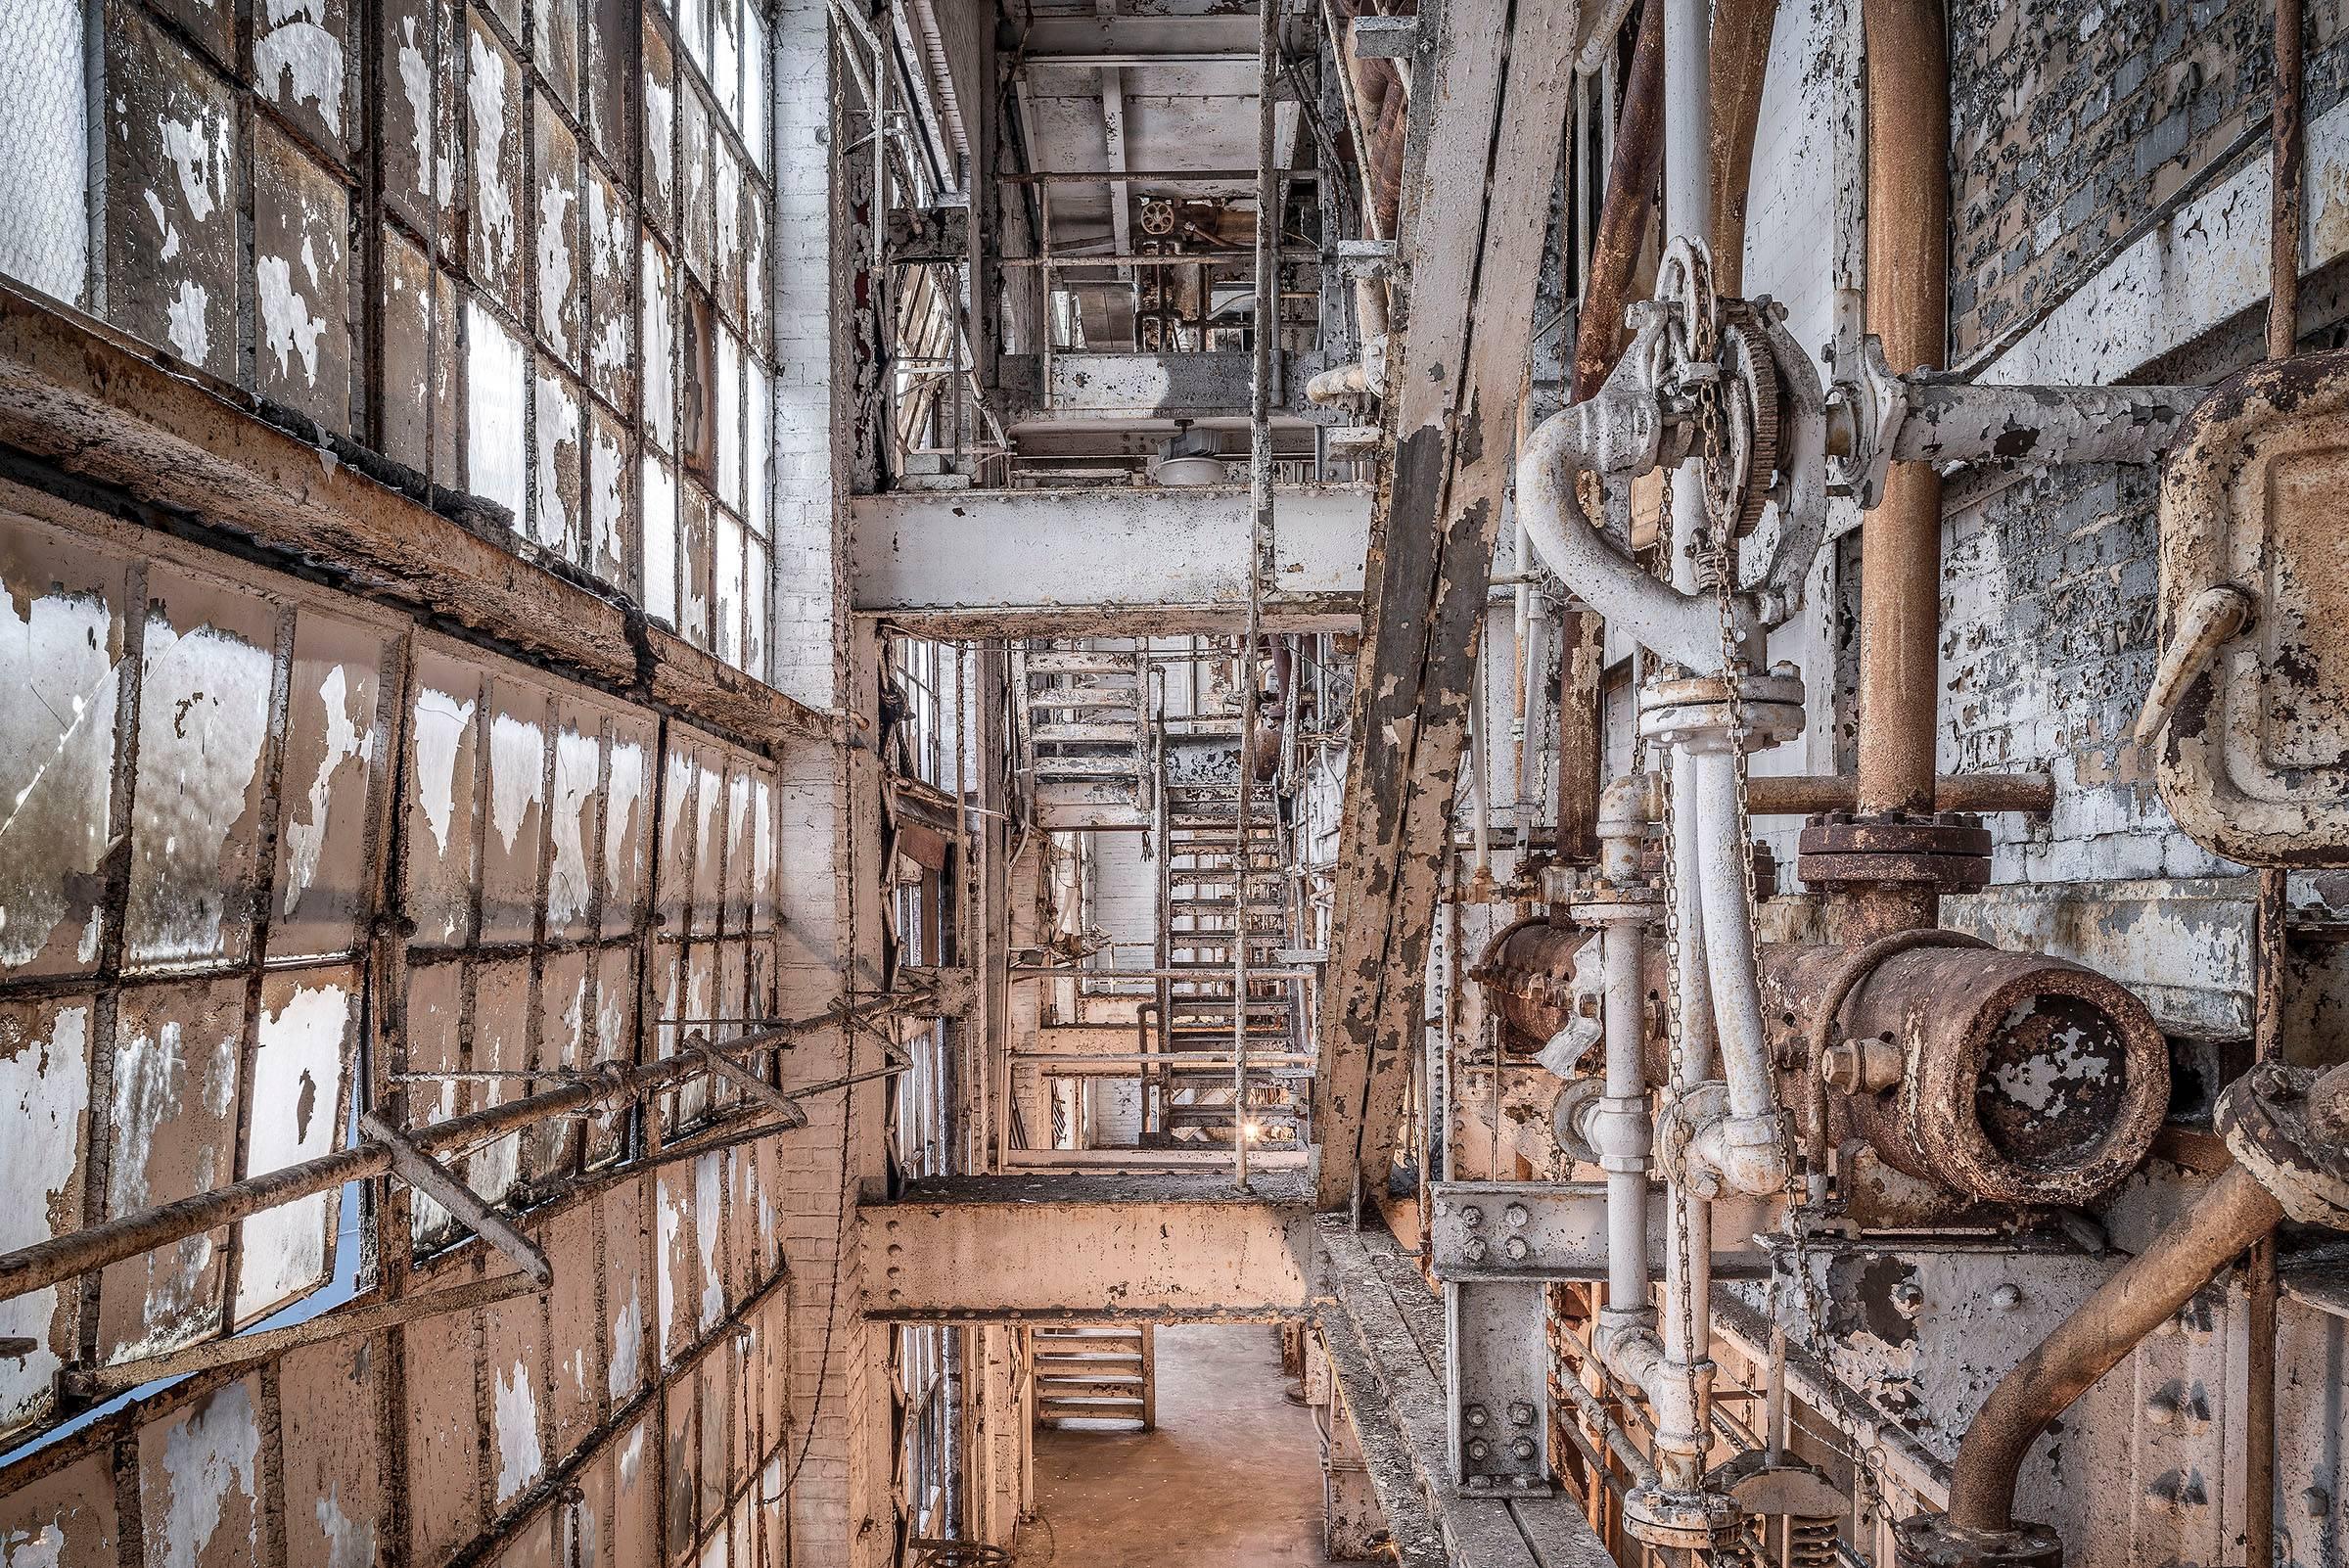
1230, 1478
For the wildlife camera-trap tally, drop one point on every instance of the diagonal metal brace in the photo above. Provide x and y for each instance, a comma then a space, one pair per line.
750, 1082
431, 1178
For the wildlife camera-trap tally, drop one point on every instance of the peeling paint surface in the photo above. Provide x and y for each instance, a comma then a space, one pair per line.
44, 1093
60, 648
204, 715
203, 1478
295, 1114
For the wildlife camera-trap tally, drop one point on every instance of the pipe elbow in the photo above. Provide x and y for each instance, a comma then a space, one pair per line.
1582, 437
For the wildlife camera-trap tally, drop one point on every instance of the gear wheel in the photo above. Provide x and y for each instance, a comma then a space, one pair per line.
1737, 488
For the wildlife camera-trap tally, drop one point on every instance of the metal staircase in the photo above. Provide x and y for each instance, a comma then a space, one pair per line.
1202, 916
1084, 743
1095, 1372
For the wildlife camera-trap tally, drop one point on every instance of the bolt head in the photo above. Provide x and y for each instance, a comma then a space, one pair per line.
1908, 1298
1516, 1248
2161, 1408
1522, 1450
1472, 1217
1479, 1449
1479, 1482
1475, 1416
1521, 1413
1515, 1215
1474, 1248
2007, 1298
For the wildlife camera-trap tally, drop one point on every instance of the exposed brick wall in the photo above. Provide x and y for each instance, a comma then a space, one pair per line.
2071, 120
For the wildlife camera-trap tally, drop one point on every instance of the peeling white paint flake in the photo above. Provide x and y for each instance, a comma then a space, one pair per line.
204, 719
554, 261
627, 1341
32, 1549
297, 1102
607, 506
305, 832
349, 1543
495, 466
436, 180
558, 447
442, 721
186, 322
670, 1219
519, 1459
44, 1088
214, 1447
300, 61
578, 759
660, 112
55, 654
167, 232
494, 205
708, 1203
200, 154
517, 752
288, 329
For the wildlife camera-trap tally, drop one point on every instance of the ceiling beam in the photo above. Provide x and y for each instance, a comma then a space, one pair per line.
1486, 131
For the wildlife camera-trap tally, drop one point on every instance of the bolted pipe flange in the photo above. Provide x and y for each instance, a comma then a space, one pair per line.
1574, 1101
1706, 713
1608, 904
1946, 851
2286, 1126
1931, 1541
1693, 1521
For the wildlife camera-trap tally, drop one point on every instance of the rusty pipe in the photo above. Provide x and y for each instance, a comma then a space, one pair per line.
51, 1263
2004, 1077
1741, 32
1808, 794
1622, 218
2233, 1212
1908, 309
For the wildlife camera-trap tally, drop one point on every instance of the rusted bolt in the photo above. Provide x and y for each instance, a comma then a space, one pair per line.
1516, 1248
1862, 1066
1522, 1450
1514, 1215
1520, 1413
1475, 1416
1474, 1248
1908, 1298
2007, 1298
1472, 1217
1479, 1449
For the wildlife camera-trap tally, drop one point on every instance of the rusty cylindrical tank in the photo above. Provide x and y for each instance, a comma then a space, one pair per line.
1527, 971
2005, 1077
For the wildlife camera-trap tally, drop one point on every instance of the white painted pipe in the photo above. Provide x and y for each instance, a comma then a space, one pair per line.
1682, 628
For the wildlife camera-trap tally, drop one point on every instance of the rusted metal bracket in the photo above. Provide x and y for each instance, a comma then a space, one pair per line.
431, 1178
104, 1382
750, 1082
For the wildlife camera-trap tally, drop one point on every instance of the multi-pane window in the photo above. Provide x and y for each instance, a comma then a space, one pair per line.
545, 284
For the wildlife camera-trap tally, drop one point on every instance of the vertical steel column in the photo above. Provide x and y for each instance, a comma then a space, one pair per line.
1259, 537
1907, 307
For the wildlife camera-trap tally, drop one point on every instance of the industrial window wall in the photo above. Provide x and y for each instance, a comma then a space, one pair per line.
278, 859
523, 264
